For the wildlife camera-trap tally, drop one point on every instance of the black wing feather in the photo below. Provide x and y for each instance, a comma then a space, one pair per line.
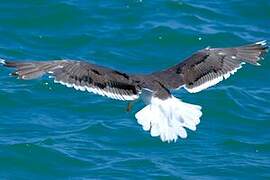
81, 76
209, 66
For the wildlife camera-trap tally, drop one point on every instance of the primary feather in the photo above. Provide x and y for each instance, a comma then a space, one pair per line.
209, 66
164, 115
80, 75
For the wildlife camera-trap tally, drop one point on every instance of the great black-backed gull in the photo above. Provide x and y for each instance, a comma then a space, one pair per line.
164, 115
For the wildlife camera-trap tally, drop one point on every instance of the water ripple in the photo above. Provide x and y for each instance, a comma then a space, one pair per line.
48, 131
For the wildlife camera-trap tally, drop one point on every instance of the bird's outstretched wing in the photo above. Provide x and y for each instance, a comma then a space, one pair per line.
209, 66
80, 75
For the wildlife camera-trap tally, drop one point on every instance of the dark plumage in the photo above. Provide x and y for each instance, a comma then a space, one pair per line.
80, 75
210, 63
164, 115
202, 67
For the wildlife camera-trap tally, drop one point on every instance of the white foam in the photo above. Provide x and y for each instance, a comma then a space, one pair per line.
169, 118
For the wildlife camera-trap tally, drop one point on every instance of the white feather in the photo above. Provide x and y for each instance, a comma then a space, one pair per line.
102, 93
169, 118
121, 97
89, 89
106, 93
213, 81
76, 87
98, 91
111, 93
82, 88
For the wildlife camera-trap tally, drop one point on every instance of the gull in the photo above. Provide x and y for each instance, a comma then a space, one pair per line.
164, 115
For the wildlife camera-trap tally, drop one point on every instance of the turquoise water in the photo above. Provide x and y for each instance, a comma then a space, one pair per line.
48, 131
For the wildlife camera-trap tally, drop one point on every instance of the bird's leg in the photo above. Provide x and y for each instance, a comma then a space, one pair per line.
129, 107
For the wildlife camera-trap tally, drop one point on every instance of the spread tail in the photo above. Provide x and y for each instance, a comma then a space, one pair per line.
168, 118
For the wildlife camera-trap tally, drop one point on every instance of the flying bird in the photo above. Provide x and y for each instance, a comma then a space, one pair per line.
164, 115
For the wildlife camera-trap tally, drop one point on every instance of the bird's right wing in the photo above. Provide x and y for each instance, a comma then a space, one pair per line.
80, 75
209, 66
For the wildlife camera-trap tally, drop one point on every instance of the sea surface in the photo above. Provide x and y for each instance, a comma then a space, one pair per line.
48, 131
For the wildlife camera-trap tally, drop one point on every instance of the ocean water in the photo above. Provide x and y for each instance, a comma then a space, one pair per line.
48, 131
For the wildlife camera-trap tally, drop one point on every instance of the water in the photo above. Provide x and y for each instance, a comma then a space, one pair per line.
49, 131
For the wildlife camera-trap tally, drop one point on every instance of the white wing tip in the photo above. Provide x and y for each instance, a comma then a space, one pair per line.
263, 43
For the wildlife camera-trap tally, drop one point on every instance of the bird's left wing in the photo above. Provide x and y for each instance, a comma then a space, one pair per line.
209, 66
80, 75
169, 117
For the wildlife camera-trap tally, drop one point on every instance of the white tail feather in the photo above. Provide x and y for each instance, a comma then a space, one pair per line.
169, 118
